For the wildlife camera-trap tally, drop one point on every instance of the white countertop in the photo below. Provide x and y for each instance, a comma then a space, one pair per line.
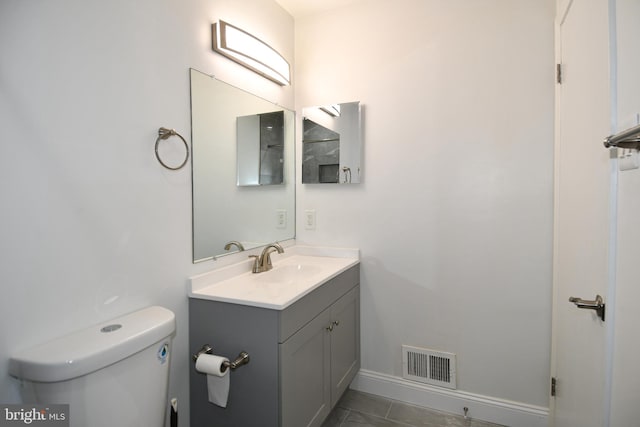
297, 272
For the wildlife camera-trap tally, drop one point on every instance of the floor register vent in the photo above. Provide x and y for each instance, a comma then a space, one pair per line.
429, 366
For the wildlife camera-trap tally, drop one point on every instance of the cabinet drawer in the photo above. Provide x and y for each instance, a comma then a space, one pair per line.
301, 312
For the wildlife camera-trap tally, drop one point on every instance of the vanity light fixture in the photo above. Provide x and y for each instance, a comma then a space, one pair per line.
248, 50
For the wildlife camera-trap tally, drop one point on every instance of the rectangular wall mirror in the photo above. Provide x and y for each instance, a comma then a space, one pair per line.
332, 144
234, 167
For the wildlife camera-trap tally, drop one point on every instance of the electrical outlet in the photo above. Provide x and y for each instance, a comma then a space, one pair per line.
310, 220
281, 218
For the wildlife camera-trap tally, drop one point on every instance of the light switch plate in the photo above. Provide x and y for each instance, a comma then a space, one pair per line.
310, 220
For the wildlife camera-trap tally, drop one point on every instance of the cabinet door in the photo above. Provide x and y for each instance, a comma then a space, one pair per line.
345, 342
305, 374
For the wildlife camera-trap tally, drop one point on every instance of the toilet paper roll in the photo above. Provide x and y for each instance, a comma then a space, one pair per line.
211, 364
218, 377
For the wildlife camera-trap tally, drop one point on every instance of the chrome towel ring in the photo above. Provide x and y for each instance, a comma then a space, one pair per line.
164, 133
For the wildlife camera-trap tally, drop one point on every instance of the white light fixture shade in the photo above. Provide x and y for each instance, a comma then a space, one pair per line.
332, 110
253, 53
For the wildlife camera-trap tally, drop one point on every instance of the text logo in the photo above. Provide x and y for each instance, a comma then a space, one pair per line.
34, 415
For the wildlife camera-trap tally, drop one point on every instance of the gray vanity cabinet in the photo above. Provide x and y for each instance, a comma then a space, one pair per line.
345, 343
302, 358
305, 366
319, 361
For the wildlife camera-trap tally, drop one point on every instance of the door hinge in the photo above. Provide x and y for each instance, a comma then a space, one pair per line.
559, 73
553, 386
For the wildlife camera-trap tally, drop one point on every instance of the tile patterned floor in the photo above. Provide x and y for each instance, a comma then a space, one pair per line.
357, 409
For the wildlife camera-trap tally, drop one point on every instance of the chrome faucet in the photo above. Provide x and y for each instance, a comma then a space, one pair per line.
263, 262
234, 243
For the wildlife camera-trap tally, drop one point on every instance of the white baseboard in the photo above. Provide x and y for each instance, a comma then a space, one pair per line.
499, 411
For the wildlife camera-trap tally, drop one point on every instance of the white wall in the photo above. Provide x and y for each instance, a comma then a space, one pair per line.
454, 215
91, 225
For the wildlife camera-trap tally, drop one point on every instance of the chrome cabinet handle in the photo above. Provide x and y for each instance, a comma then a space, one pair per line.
597, 305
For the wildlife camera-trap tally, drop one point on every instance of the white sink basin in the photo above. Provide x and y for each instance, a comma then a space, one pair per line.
292, 277
289, 273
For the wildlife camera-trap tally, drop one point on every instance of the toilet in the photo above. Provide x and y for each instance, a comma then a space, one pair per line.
112, 374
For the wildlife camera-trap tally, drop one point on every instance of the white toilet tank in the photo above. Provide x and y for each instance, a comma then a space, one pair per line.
112, 374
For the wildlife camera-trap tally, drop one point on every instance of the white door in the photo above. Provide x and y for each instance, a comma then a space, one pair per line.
582, 223
625, 394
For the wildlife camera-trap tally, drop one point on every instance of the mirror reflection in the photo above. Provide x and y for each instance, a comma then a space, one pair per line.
331, 144
230, 216
260, 141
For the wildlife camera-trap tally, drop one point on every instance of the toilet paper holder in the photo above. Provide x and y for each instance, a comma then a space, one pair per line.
242, 359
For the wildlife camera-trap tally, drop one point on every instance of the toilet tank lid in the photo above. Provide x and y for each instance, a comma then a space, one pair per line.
88, 350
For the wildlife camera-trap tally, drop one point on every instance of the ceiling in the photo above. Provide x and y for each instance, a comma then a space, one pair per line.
300, 8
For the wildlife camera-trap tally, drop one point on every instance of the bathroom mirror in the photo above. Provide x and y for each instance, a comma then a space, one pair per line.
332, 144
224, 209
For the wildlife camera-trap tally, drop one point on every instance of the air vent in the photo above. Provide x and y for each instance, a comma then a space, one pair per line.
429, 366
